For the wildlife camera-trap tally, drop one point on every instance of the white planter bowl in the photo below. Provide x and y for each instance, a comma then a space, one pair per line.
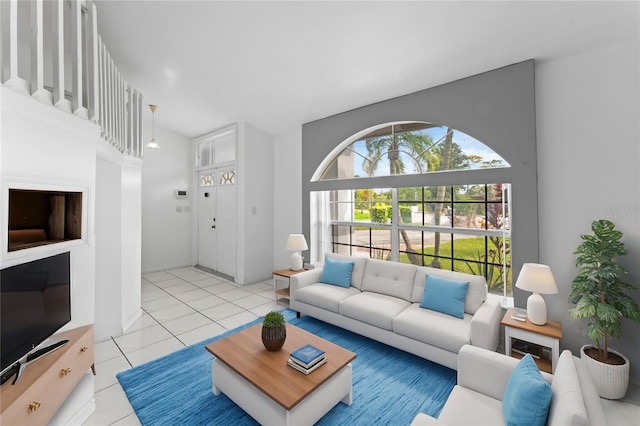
611, 380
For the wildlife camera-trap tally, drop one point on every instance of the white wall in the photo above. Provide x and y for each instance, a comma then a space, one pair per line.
287, 194
131, 240
588, 119
255, 177
108, 306
166, 233
43, 147
118, 241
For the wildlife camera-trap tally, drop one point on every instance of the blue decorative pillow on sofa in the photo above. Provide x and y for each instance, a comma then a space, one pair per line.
446, 296
336, 272
527, 396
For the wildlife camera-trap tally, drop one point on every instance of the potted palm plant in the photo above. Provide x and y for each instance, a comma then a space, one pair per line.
598, 293
274, 331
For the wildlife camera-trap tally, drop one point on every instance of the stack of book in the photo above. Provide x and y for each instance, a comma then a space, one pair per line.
523, 348
306, 359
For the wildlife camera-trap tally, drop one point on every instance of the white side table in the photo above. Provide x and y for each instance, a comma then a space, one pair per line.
544, 336
283, 275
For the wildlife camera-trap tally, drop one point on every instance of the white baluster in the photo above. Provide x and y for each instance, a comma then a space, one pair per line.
76, 52
101, 88
91, 38
37, 54
12, 79
59, 99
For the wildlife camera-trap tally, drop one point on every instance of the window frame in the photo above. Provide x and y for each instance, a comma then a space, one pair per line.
333, 198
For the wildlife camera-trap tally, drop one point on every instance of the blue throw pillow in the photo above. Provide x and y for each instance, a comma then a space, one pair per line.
527, 396
336, 272
446, 296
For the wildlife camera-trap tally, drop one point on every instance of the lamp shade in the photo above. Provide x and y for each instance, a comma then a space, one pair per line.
536, 278
296, 242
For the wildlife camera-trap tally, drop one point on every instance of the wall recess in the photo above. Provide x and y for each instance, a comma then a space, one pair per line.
40, 217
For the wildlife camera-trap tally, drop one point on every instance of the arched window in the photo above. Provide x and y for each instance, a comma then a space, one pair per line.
461, 226
406, 148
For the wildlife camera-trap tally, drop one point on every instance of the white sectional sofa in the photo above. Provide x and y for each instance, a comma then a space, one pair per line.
477, 398
382, 301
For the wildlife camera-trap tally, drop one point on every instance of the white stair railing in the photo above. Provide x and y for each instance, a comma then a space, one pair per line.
51, 51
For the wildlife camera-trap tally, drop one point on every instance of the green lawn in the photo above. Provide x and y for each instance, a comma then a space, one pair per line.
362, 215
467, 248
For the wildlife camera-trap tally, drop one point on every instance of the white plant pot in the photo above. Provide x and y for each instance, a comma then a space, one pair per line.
611, 380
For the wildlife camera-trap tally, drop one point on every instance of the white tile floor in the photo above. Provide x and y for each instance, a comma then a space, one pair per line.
179, 307
185, 306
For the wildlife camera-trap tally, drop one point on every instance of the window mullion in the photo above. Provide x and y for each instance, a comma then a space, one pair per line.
506, 204
395, 245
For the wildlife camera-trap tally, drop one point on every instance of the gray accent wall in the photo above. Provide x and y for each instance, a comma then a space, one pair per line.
496, 107
588, 143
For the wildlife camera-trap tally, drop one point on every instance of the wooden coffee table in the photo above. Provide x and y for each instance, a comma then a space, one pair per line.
270, 391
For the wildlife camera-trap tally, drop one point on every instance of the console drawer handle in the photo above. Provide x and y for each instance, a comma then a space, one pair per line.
65, 371
34, 406
84, 349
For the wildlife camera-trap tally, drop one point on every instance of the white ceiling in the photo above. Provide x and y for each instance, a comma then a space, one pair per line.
277, 65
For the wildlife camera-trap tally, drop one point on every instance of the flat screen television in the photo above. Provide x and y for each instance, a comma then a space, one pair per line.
35, 301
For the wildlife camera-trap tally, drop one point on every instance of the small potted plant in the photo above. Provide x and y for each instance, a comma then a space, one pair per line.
599, 295
274, 331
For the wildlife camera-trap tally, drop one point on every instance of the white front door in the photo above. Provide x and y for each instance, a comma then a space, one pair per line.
217, 220
226, 221
206, 220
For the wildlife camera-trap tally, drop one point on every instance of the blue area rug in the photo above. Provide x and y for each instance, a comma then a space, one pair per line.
389, 386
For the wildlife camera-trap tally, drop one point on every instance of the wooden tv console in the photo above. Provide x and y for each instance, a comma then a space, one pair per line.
48, 381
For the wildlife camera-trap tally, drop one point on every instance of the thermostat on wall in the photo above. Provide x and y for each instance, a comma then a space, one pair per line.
181, 193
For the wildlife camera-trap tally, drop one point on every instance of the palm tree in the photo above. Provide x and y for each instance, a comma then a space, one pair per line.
444, 165
415, 145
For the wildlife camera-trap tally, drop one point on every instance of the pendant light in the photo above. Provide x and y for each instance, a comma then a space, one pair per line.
152, 143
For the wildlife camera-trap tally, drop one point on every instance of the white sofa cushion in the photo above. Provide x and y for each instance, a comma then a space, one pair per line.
358, 267
467, 407
567, 404
375, 309
434, 328
476, 292
325, 296
390, 278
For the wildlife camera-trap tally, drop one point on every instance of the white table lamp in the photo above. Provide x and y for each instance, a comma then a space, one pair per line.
538, 279
297, 243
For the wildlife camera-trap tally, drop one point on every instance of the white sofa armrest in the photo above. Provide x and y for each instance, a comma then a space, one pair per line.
486, 372
300, 280
590, 396
485, 325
